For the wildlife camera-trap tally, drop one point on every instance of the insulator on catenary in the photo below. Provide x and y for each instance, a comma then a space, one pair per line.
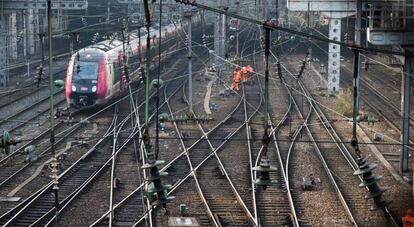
264, 170
370, 181
156, 192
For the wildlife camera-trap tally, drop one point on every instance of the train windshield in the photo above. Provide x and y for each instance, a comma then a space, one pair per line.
85, 70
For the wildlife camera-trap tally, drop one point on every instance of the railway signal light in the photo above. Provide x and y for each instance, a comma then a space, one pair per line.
370, 181
125, 72
205, 40
186, 41
40, 74
264, 170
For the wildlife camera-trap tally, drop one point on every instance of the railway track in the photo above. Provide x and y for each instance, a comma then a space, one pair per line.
10, 170
118, 169
18, 166
215, 220
227, 202
16, 97
97, 159
99, 193
30, 116
286, 199
25, 165
275, 203
37, 208
341, 165
375, 100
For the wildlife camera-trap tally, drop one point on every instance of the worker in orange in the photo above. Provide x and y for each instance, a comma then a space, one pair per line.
408, 220
246, 72
249, 69
236, 80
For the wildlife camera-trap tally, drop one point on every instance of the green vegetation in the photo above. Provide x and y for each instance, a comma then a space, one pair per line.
344, 102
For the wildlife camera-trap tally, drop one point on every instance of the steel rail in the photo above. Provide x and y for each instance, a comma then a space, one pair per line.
171, 163
77, 191
73, 128
179, 156
195, 168
290, 150
43, 153
378, 94
223, 169
68, 131
236, 193
114, 149
284, 170
321, 157
249, 147
339, 143
168, 165
31, 106
111, 131
48, 186
200, 192
163, 169
36, 115
115, 133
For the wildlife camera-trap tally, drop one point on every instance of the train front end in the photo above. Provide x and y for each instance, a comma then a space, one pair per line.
86, 82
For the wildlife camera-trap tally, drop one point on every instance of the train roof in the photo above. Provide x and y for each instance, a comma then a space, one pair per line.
113, 45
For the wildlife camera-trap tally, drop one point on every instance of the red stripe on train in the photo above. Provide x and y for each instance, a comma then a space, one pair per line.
68, 84
102, 83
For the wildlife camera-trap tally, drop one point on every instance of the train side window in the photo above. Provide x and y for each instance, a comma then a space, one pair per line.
117, 72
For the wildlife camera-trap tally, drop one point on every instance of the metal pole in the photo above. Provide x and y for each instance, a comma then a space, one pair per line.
217, 41
190, 67
238, 34
354, 140
157, 124
404, 166
409, 23
356, 76
266, 98
224, 31
28, 67
358, 42
147, 73
41, 35
51, 84
52, 110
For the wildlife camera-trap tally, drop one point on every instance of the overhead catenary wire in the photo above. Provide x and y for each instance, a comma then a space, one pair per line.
300, 33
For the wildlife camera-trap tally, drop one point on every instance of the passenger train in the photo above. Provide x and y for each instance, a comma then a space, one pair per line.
94, 73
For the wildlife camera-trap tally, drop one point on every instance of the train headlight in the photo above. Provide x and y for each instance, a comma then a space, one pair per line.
94, 89
73, 88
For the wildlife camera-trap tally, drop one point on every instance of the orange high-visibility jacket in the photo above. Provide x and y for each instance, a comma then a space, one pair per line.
408, 220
